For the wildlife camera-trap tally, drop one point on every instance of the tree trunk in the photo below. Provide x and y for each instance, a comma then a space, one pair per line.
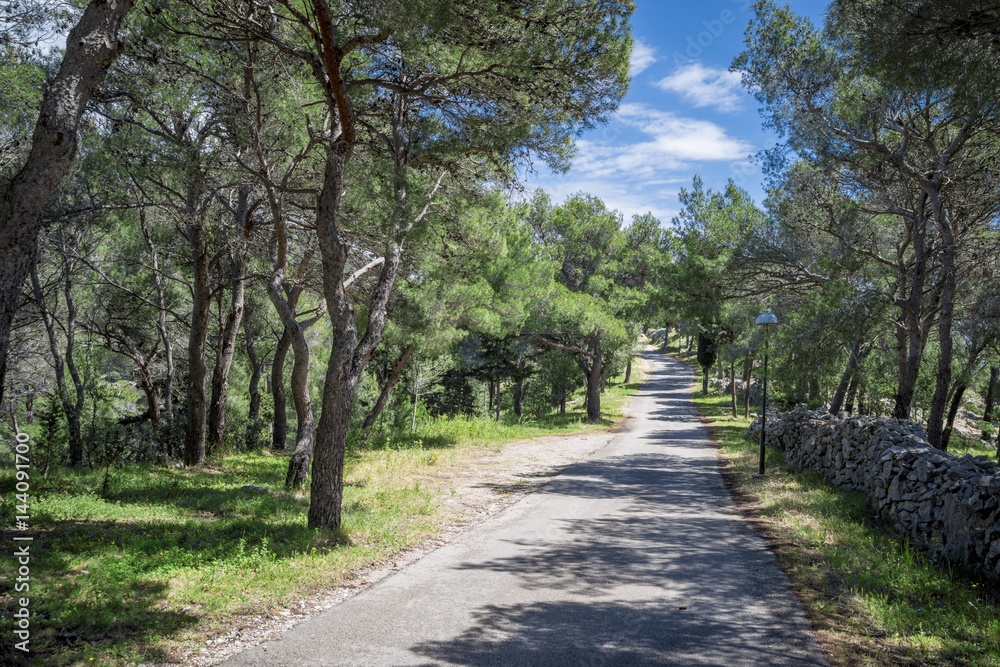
70, 408
201, 304
592, 368
390, 383
298, 466
852, 392
628, 371
732, 386
256, 368
518, 397
746, 388
845, 379
91, 47
227, 350
73, 417
935, 421
161, 320
912, 329
991, 394
348, 356
279, 428
152, 399
956, 403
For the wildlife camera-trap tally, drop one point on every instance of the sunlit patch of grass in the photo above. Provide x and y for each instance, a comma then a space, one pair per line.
157, 560
875, 599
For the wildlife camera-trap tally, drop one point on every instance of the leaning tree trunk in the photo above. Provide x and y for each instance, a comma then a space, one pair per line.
279, 427
227, 351
383, 398
845, 379
956, 403
91, 47
298, 465
628, 371
348, 355
852, 393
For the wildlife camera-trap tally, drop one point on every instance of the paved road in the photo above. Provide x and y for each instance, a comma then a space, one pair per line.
635, 555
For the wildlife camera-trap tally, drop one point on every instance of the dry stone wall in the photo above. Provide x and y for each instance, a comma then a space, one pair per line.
756, 391
945, 503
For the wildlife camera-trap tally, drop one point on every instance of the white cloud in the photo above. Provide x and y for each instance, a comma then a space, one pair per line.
643, 55
675, 143
706, 86
644, 175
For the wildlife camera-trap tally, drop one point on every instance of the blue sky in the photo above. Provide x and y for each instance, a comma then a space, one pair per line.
685, 113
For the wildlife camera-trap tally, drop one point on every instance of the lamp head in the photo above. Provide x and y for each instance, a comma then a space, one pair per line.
767, 318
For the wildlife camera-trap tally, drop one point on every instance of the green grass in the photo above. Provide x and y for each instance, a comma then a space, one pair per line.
873, 598
162, 559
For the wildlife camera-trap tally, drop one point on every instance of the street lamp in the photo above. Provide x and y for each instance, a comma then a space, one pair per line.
767, 320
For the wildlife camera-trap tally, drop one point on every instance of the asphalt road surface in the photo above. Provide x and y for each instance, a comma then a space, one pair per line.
635, 555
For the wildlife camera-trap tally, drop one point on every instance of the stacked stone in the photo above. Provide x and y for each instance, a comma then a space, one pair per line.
756, 391
947, 504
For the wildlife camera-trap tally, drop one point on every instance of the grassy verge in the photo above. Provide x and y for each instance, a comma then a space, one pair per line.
872, 598
136, 565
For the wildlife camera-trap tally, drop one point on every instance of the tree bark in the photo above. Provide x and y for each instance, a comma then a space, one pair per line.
593, 368
518, 396
91, 47
227, 351
852, 393
201, 304
845, 379
390, 383
746, 388
298, 466
732, 386
348, 356
935, 421
956, 403
279, 428
914, 325
256, 367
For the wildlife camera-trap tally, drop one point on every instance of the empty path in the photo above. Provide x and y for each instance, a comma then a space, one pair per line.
635, 555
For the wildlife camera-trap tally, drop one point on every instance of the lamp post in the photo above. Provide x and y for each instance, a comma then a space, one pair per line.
767, 320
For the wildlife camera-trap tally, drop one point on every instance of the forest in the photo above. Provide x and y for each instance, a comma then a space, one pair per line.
296, 228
